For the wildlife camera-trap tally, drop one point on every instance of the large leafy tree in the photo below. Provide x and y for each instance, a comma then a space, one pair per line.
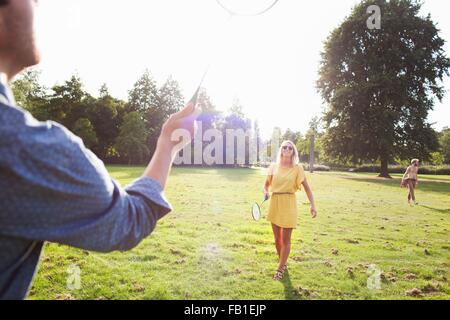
30, 94
292, 136
259, 141
169, 99
235, 120
445, 144
143, 98
274, 141
84, 129
210, 117
381, 84
154, 104
69, 102
106, 115
131, 142
144, 94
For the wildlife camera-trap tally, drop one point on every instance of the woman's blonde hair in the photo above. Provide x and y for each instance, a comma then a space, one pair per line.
414, 161
295, 159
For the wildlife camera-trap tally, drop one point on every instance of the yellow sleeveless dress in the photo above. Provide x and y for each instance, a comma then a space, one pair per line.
284, 182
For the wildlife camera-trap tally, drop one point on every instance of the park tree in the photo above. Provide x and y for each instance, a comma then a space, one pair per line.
169, 99
315, 126
445, 145
234, 120
237, 110
106, 114
437, 158
83, 128
131, 144
30, 94
143, 98
303, 146
98, 121
155, 105
69, 102
104, 91
274, 143
210, 117
259, 141
144, 94
380, 84
292, 136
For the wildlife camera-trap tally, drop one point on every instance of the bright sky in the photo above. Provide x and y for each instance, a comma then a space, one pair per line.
269, 62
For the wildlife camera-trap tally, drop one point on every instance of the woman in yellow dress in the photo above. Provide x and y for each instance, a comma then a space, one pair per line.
284, 178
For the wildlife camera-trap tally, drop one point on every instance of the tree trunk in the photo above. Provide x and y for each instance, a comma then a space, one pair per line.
384, 168
311, 154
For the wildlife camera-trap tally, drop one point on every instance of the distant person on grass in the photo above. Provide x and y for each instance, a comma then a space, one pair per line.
410, 180
284, 178
51, 187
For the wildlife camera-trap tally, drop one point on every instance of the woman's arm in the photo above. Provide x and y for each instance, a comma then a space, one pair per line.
310, 196
406, 173
266, 187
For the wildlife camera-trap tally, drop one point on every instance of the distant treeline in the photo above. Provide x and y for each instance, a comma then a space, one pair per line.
126, 132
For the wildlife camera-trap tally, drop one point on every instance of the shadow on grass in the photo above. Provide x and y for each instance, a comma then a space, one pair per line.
435, 209
289, 292
427, 186
191, 170
229, 173
435, 178
238, 174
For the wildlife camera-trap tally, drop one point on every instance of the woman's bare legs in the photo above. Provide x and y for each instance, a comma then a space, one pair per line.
285, 248
283, 244
411, 195
278, 240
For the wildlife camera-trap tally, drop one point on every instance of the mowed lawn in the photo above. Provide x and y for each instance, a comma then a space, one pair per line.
210, 248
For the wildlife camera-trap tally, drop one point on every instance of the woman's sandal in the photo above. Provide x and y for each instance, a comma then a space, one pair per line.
278, 275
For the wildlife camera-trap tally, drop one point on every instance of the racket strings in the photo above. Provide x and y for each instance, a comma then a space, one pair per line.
256, 212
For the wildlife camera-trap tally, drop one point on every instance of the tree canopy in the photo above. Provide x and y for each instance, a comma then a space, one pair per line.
380, 85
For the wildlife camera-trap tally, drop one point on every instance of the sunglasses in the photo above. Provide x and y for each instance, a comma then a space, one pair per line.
288, 148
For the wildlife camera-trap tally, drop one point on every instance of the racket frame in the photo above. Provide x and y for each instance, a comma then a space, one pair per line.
259, 209
241, 14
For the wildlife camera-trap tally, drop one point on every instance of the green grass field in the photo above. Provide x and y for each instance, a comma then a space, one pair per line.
210, 248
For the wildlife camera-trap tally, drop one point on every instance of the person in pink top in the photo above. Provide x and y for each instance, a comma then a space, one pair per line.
410, 180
